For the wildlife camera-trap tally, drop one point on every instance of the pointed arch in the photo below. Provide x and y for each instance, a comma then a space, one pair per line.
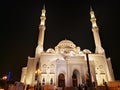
76, 79
44, 68
52, 67
61, 80
43, 81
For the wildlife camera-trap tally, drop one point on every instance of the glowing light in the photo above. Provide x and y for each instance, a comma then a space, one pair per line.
38, 71
4, 78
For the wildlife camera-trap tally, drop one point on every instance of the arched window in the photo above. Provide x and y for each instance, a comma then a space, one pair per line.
43, 81
51, 81
52, 68
44, 68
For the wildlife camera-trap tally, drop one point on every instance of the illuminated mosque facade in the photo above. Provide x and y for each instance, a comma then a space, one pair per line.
66, 64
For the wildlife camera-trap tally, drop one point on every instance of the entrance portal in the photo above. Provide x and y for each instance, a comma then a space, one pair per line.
61, 80
74, 79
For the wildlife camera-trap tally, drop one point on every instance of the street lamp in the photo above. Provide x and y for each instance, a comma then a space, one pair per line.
37, 72
4, 77
86, 51
89, 83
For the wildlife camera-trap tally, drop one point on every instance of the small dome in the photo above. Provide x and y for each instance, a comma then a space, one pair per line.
50, 50
66, 43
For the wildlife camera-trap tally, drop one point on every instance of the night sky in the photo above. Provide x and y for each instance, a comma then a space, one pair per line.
66, 19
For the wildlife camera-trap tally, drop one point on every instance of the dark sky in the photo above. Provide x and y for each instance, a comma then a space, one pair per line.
66, 19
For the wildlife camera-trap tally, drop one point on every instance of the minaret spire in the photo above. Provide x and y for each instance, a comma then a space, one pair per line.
95, 30
42, 28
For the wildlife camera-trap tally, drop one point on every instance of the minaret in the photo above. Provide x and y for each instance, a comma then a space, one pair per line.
42, 28
95, 30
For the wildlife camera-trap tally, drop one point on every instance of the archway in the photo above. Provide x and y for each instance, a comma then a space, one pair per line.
61, 80
75, 78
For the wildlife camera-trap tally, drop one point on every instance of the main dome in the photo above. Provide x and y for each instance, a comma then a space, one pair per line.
66, 43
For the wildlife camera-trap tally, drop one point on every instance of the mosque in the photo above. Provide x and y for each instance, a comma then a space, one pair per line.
66, 65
